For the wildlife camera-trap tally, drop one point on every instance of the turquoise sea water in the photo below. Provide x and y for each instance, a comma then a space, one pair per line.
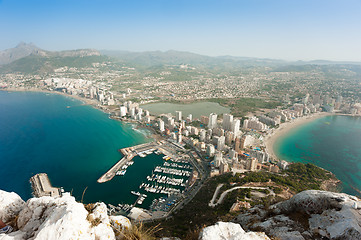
332, 142
73, 143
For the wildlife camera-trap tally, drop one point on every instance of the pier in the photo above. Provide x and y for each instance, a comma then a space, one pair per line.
129, 153
42, 187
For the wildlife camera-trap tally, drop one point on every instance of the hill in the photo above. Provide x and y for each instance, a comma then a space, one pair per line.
20, 51
172, 57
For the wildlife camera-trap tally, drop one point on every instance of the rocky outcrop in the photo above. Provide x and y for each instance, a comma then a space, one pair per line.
58, 218
229, 231
310, 214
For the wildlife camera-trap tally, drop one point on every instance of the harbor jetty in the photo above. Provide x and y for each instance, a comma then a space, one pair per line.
42, 187
129, 153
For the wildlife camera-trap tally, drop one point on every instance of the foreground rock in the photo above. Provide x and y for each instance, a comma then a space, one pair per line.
310, 214
57, 218
229, 231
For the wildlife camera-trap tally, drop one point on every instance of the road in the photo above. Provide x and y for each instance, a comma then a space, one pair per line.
224, 194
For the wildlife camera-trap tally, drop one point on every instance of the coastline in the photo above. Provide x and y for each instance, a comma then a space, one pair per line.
284, 128
86, 101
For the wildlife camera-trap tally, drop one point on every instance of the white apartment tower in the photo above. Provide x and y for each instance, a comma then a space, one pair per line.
202, 135
123, 111
210, 150
161, 125
235, 126
220, 143
212, 121
178, 116
190, 118
227, 121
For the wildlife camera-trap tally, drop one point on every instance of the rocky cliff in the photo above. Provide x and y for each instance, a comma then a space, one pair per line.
310, 214
229, 231
57, 218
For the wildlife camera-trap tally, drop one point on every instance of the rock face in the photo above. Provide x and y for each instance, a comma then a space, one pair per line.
229, 231
57, 218
310, 214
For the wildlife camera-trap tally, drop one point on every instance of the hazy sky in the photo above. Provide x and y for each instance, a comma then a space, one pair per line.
283, 29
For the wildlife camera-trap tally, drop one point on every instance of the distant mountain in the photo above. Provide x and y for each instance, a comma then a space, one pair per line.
47, 64
20, 51
153, 58
26, 49
28, 58
172, 57
326, 62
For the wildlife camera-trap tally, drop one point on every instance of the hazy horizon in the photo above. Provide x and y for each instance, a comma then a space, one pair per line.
276, 29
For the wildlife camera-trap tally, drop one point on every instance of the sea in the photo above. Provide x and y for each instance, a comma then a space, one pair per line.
331, 142
73, 143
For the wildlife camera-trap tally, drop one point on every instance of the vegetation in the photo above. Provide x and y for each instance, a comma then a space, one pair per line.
197, 214
241, 106
138, 232
298, 177
40, 64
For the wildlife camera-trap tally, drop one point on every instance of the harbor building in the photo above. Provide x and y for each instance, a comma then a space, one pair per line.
42, 187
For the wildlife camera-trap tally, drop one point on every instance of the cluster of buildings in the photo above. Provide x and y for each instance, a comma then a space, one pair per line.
227, 143
82, 88
221, 142
134, 112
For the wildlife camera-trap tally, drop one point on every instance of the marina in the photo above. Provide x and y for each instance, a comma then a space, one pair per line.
163, 186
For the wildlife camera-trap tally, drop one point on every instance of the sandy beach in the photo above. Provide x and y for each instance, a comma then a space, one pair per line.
287, 126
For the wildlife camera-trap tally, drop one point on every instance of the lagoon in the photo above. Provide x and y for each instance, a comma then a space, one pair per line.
196, 109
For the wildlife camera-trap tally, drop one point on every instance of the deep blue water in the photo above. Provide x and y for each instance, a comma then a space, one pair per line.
73, 143
332, 142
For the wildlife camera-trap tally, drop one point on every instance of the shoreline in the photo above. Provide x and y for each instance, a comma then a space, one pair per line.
284, 128
86, 101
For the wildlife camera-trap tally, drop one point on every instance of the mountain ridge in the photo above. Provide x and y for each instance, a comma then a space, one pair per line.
23, 49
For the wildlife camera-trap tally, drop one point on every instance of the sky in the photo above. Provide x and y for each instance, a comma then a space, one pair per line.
279, 29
